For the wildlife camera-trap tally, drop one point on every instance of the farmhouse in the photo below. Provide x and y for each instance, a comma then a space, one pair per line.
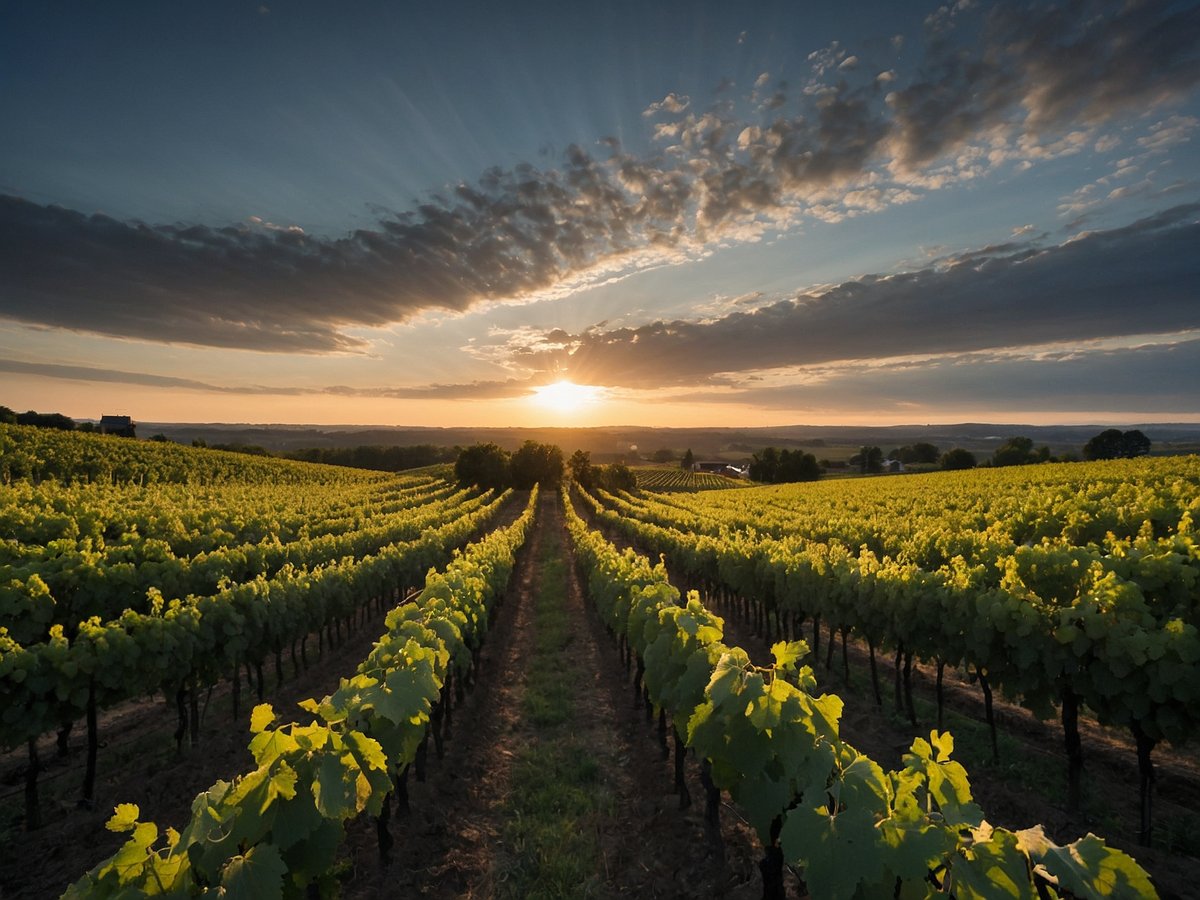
121, 426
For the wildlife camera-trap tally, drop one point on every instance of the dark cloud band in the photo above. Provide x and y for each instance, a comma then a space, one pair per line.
513, 233
1139, 279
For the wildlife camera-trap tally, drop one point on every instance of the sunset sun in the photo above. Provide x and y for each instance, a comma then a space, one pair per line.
566, 397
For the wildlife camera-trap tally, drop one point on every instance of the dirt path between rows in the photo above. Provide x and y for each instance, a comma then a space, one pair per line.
452, 841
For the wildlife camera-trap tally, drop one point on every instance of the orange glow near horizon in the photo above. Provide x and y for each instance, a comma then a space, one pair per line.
567, 398
550, 405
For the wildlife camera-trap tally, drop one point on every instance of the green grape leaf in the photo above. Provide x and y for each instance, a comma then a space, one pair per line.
125, 816
262, 716
762, 799
839, 852
334, 787
788, 653
1090, 868
282, 783
992, 868
296, 821
407, 698
257, 875
135, 853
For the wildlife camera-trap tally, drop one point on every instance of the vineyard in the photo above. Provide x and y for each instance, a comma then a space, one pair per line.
437, 681
657, 478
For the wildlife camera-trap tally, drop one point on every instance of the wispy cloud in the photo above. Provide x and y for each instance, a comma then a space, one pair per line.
475, 390
1138, 279
1150, 380
995, 86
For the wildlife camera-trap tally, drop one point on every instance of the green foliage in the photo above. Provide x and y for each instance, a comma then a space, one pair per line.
485, 466
580, 468
56, 421
1016, 451
857, 830
782, 466
168, 603
868, 459
958, 459
616, 477
378, 457
920, 453
1115, 444
275, 830
535, 463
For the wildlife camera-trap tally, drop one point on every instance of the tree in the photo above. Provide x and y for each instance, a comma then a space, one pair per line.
797, 466
580, 467
778, 466
663, 456
958, 458
483, 466
1134, 443
920, 452
536, 463
1016, 451
616, 477
56, 421
765, 466
1115, 444
924, 452
1105, 445
7, 416
688, 461
868, 459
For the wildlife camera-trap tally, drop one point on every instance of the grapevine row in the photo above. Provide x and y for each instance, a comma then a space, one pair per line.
276, 830
58, 585
180, 646
38, 454
1047, 623
814, 800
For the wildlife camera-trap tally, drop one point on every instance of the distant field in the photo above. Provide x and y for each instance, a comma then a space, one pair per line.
656, 478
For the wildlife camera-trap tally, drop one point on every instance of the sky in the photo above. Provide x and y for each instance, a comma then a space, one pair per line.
672, 214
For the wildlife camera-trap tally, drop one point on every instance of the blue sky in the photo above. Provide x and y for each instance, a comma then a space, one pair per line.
712, 213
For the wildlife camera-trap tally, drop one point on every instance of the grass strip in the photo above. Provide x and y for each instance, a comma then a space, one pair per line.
558, 788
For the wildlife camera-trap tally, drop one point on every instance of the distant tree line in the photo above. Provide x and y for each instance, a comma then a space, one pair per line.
375, 456
38, 420
615, 477
774, 466
1116, 444
490, 466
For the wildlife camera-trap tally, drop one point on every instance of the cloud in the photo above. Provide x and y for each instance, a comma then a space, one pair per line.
262, 287
672, 103
1043, 66
1166, 134
1138, 279
1146, 380
996, 85
475, 390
